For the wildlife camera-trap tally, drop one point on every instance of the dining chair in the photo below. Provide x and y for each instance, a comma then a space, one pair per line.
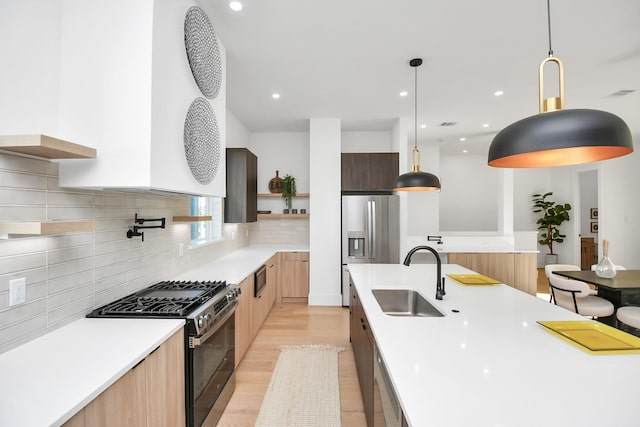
575, 295
550, 268
618, 267
629, 316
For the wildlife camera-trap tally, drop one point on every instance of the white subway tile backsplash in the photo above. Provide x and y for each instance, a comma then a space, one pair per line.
21, 197
17, 330
62, 299
69, 240
13, 163
12, 264
12, 247
64, 269
22, 312
69, 213
74, 310
57, 198
23, 213
22, 180
70, 281
69, 254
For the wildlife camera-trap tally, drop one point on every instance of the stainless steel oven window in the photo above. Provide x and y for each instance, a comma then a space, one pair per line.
212, 367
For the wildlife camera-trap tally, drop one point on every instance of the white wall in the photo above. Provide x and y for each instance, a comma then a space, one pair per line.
618, 208
470, 196
366, 142
288, 153
588, 184
238, 136
30, 72
324, 229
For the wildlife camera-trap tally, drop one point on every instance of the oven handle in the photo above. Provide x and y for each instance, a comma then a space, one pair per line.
196, 341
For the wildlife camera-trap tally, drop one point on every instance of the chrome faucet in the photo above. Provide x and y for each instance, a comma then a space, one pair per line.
439, 279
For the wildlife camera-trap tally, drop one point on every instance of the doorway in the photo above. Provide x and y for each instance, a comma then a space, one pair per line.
588, 215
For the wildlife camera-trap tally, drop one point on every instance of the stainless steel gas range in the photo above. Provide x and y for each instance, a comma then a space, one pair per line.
209, 310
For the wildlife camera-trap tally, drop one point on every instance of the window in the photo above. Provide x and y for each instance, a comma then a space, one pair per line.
206, 231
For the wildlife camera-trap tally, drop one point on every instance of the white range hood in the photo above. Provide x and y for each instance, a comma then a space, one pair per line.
126, 87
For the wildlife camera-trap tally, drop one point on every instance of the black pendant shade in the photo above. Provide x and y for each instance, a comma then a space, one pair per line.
561, 138
416, 181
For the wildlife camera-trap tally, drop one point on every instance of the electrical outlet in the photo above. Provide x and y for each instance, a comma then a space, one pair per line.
17, 291
180, 249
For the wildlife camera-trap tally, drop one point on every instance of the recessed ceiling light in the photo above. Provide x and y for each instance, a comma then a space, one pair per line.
465, 151
463, 139
486, 125
235, 5
275, 95
404, 93
498, 93
423, 126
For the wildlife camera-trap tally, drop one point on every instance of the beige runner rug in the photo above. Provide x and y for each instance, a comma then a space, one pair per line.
304, 389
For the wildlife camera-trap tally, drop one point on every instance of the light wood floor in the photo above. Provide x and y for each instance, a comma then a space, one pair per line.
294, 324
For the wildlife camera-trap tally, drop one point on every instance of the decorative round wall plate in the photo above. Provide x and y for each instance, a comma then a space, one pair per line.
203, 52
202, 141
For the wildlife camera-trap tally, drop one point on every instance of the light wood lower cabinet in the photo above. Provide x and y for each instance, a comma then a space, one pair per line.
295, 276
244, 319
166, 383
518, 270
150, 394
252, 310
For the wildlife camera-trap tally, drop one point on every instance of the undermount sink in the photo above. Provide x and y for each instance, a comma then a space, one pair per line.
405, 302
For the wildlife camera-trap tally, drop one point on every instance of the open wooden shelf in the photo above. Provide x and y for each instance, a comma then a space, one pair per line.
280, 195
46, 147
46, 227
192, 218
282, 216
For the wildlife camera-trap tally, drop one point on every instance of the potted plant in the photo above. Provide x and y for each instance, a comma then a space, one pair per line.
553, 215
288, 191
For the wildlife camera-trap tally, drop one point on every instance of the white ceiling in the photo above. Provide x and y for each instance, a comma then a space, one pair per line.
350, 59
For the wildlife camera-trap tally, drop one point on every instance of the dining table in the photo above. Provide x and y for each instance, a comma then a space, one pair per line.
622, 289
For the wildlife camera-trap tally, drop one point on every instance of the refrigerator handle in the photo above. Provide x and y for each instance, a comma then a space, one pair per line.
372, 233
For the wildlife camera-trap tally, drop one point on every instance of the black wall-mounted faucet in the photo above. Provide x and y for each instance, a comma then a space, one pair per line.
439, 279
135, 233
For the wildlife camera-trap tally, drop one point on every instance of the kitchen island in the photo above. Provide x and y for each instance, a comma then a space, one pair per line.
487, 362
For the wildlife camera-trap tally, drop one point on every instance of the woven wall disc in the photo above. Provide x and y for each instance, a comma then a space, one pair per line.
202, 141
203, 52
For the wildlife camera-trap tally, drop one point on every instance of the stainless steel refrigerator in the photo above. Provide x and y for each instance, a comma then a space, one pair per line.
370, 233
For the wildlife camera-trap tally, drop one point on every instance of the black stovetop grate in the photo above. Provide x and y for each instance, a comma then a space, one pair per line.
139, 304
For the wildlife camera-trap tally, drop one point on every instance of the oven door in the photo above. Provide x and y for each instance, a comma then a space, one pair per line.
210, 376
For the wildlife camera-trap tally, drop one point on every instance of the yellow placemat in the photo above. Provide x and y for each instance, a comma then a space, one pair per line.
594, 337
473, 279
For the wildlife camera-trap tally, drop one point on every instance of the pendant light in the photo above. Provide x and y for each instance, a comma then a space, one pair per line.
558, 137
416, 180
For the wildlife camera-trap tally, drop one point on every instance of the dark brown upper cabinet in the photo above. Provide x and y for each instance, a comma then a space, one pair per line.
241, 203
369, 171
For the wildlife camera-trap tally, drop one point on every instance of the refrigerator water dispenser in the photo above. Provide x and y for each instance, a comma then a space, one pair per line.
356, 247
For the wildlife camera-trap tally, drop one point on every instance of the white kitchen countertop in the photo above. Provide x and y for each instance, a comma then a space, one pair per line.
48, 380
491, 364
238, 265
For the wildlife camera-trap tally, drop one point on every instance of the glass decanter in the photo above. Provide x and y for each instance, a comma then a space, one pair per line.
605, 267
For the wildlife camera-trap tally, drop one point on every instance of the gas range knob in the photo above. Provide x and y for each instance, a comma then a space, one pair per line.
201, 322
207, 317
